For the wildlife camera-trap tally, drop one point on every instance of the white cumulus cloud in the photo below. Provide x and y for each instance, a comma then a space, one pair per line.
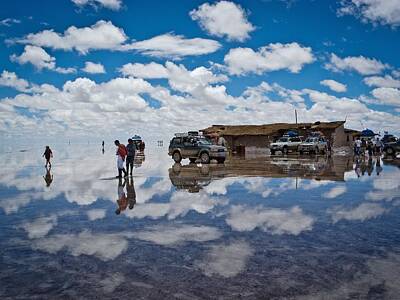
269, 58
223, 19
334, 85
10, 79
362, 65
40, 59
110, 4
385, 12
93, 68
379, 81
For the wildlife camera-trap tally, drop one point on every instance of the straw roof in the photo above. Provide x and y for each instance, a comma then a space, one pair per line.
268, 129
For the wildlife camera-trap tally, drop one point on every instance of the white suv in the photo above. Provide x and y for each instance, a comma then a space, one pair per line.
314, 145
285, 145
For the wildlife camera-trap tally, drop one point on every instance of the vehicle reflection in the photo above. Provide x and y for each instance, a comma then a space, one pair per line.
193, 177
139, 159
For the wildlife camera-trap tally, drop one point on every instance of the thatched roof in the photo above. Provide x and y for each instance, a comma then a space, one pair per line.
268, 129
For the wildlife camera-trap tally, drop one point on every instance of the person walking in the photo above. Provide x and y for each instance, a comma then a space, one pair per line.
131, 151
121, 154
48, 154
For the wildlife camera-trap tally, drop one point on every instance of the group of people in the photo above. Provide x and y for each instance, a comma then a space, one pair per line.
372, 146
125, 154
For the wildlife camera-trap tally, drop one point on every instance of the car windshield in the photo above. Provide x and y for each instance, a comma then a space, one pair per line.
282, 140
311, 140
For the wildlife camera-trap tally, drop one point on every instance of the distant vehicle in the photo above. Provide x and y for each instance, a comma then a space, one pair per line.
137, 140
314, 144
285, 144
392, 148
195, 147
388, 138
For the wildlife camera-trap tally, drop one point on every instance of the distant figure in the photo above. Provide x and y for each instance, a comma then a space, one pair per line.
221, 141
370, 166
378, 146
102, 147
131, 194
48, 154
102, 144
357, 146
142, 146
131, 150
121, 154
122, 200
48, 178
370, 148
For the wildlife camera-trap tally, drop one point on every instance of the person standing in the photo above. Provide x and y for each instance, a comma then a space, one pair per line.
48, 154
121, 154
358, 144
131, 151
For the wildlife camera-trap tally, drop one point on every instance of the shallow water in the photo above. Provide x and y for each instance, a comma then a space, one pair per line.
256, 228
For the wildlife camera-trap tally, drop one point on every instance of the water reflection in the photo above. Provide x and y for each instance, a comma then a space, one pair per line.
48, 178
128, 198
251, 227
193, 177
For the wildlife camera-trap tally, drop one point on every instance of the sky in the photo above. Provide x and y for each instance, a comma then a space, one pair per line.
108, 68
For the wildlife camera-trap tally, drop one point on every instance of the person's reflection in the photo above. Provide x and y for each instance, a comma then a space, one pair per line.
378, 166
357, 167
363, 166
48, 178
131, 194
370, 166
128, 198
122, 200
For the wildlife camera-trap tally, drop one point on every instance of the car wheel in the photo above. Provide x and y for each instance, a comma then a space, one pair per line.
285, 150
272, 152
177, 157
220, 160
390, 151
192, 160
301, 152
205, 158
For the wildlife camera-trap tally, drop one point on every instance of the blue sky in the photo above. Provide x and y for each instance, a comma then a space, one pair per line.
235, 62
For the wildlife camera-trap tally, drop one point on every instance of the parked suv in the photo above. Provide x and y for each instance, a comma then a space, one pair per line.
313, 144
285, 144
392, 148
195, 147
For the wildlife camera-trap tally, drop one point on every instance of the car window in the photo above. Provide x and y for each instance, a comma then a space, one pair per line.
295, 139
283, 140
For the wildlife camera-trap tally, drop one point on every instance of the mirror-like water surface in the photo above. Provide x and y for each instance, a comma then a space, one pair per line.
285, 227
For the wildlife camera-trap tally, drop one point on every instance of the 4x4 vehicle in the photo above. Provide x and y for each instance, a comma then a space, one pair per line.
285, 144
392, 148
313, 144
195, 147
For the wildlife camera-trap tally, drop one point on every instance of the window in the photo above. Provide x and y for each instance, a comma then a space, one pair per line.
295, 139
348, 138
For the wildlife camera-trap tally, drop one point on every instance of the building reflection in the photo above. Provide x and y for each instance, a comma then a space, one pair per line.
193, 177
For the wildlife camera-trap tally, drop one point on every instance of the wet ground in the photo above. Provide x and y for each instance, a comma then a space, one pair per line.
255, 228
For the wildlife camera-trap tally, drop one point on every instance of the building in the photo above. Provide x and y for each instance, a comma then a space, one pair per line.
260, 136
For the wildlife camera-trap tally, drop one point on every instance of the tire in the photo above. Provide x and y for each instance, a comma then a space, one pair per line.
390, 151
205, 158
192, 160
272, 152
285, 150
301, 152
220, 160
177, 157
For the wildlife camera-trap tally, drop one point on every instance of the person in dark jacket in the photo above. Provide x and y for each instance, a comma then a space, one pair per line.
48, 154
130, 157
